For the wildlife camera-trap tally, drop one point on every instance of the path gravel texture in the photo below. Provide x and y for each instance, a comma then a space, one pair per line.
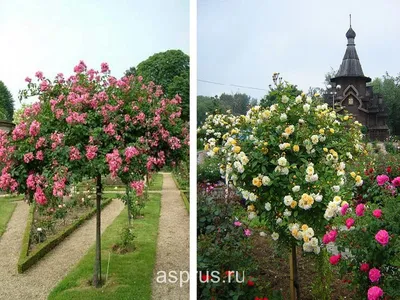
37, 282
172, 244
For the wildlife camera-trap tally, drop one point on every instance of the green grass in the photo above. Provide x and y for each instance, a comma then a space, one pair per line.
156, 182
130, 275
7, 206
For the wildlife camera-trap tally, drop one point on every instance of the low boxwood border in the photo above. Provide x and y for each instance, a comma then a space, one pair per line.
26, 261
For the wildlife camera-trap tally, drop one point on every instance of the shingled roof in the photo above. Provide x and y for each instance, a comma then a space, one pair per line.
351, 66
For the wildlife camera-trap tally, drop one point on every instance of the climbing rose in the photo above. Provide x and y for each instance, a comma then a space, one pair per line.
74, 153
39, 196
34, 128
374, 293
104, 67
114, 162
91, 152
374, 275
382, 237
138, 186
343, 209
382, 179
28, 157
329, 237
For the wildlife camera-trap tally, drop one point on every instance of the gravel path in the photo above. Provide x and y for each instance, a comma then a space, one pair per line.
172, 243
37, 282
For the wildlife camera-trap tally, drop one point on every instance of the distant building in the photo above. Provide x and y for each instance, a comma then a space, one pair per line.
6, 125
355, 96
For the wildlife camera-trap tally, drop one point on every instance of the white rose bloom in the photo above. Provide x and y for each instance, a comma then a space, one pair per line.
314, 177
263, 234
306, 107
318, 198
314, 139
317, 250
310, 170
322, 138
267, 206
285, 99
266, 180
314, 242
240, 169
245, 194
301, 121
288, 200
342, 165
275, 236
308, 99
307, 247
283, 117
282, 161
251, 215
287, 213
348, 154
359, 183
296, 188
309, 232
278, 221
336, 188
284, 171
252, 197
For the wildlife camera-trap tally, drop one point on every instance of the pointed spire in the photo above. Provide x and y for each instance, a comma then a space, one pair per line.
351, 66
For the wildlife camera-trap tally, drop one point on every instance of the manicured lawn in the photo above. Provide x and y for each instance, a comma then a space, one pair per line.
130, 275
156, 182
7, 207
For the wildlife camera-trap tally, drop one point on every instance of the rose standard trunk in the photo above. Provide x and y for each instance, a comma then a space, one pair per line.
97, 262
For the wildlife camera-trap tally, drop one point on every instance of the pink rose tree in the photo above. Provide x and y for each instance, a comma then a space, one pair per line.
90, 125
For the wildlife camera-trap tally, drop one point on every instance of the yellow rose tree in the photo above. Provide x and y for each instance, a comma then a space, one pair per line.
288, 161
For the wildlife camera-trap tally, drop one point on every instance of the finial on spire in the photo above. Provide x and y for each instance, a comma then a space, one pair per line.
350, 20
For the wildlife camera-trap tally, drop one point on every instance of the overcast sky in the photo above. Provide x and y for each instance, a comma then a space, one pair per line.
53, 36
244, 42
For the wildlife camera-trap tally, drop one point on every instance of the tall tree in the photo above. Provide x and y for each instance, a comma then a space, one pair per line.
277, 90
6, 103
171, 70
389, 87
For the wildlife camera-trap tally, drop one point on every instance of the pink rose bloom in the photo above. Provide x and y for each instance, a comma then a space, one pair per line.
74, 153
91, 152
39, 74
343, 209
382, 237
27, 79
334, 259
329, 237
360, 210
247, 232
39, 196
364, 267
34, 129
382, 179
39, 155
396, 181
237, 223
377, 213
374, 275
104, 67
349, 222
28, 157
375, 293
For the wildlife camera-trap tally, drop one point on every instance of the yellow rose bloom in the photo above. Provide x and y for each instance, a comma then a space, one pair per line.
325, 149
288, 130
216, 149
304, 227
332, 130
236, 149
293, 204
233, 131
306, 238
321, 131
316, 95
358, 178
257, 182
296, 148
264, 150
251, 207
303, 94
353, 174
345, 118
206, 147
233, 142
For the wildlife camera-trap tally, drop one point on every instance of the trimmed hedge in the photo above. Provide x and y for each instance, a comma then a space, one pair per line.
26, 261
185, 200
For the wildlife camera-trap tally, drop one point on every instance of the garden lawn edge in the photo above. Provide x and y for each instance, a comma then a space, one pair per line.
8, 218
177, 184
185, 200
156, 188
131, 274
26, 261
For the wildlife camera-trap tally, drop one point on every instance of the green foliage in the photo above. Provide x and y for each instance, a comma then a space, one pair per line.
171, 70
389, 87
6, 211
277, 91
125, 244
208, 171
156, 182
6, 103
321, 286
181, 175
222, 247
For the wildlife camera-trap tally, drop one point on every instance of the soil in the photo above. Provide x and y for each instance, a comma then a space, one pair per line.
274, 269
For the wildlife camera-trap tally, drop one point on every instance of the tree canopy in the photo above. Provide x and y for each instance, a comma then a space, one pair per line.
171, 70
389, 87
6, 103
